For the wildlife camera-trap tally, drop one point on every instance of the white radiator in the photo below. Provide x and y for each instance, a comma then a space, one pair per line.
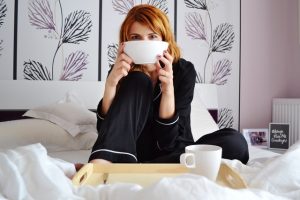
288, 111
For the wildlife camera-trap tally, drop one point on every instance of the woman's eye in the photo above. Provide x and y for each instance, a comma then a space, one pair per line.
154, 37
134, 37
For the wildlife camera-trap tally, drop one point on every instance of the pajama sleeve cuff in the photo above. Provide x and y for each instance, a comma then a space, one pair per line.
99, 114
166, 131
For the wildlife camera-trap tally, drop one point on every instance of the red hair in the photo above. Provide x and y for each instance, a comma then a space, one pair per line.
156, 20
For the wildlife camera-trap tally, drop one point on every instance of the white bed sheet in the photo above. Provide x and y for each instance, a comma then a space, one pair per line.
28, 173
257, 153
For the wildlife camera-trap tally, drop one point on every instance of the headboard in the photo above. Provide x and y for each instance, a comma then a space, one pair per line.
19, 96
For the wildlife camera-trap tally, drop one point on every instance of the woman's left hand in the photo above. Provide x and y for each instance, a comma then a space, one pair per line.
165, 73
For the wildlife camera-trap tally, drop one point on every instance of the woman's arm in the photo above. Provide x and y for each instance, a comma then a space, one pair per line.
165, 75
168, 131
108, 97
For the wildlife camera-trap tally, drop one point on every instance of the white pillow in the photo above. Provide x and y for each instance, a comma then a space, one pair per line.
69, 113
202, 122
70, 116
29, 131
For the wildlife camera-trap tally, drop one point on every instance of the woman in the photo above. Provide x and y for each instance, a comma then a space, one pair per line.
144, 115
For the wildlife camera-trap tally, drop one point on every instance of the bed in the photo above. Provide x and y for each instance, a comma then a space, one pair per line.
48, 126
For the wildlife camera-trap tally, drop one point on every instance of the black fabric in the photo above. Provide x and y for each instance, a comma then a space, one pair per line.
233, 143
125, 120
132, 131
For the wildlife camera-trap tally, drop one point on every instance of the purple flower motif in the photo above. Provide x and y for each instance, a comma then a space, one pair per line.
122, 6
221, 70
194, 26
40, 15
75, 63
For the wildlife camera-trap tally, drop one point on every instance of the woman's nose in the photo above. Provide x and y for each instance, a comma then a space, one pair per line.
145, 38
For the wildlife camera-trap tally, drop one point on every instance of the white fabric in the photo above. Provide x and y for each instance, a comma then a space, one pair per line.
29, 131
69, 113
260, 154
202, 122
28, 173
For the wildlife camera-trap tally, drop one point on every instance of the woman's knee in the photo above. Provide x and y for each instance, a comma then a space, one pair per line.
137, 79
136, 84
233, 143
237, 147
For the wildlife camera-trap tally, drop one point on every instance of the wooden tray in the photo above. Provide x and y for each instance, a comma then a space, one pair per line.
146, 174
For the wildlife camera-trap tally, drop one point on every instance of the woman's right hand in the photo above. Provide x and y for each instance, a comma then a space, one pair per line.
121, 67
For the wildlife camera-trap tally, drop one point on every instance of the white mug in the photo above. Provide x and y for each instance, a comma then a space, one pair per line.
203, 159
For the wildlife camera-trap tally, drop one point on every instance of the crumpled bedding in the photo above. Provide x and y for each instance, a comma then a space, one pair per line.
29, 173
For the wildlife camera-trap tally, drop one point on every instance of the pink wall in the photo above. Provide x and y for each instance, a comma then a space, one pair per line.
294, 84
269, 58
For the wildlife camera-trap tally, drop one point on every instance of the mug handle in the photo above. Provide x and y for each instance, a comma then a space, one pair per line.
184, 160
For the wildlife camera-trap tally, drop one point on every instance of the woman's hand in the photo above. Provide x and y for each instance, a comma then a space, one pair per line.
78, 166
165, 74
119, 70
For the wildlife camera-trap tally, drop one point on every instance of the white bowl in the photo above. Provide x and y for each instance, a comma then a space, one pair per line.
145, 51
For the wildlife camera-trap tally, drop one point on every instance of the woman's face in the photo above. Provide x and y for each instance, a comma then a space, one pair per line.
141, 32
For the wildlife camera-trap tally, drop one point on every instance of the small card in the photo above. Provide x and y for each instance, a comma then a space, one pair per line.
279, 135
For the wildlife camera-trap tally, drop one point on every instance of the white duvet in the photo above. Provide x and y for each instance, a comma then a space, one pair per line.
29, 173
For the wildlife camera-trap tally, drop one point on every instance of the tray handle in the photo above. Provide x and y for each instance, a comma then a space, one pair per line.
231, 177
83, 174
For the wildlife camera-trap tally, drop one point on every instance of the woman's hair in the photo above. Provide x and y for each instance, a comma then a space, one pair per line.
156, 20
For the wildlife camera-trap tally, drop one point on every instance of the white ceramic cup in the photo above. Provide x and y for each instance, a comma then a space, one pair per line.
203, 160
145, 51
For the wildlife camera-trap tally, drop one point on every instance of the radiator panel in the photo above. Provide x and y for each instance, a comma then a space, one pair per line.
288, 111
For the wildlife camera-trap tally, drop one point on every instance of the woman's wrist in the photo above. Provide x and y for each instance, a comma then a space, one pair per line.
110, 84
167, 104
168, 91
